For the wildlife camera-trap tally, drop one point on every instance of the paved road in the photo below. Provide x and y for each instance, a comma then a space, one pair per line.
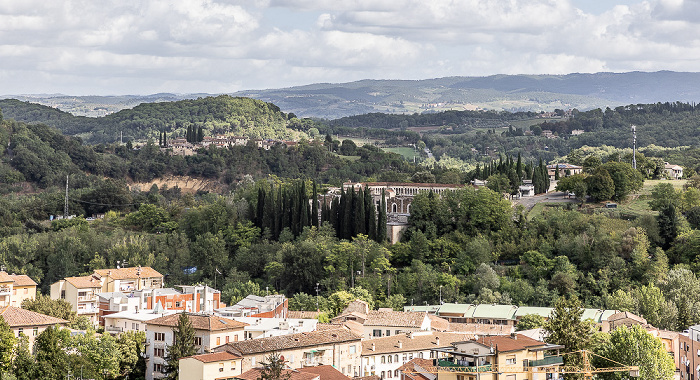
551, 197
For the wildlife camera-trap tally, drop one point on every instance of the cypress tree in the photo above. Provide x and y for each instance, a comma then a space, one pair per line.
333, 212
477, 172
381, 222
519, 167
314, 206
340, 214
279, 211
371, 216
188, 136
360, 213
182, 346
348, 225
165, 139
260, 208
304, 219
160, 139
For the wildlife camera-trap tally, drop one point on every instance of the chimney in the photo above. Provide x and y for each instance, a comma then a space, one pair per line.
400, 344
437, 340
372, 346
514, 336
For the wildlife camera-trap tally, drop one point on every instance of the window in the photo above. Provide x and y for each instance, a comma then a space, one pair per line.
20, 331
198, 341
388, 374
396, 358
390, 359
510, 359
388, 332
14, 292
218, 340
35, 331
177, 304
235, 337
420, 355
383, 359
233, 366
393, 207
227, 337
383, 375
157, 367
63, 294
397, 332
26, 290
352, 349
396, 373
159, 352
410, 356
159, 337
376, 332
252, 361
221, 367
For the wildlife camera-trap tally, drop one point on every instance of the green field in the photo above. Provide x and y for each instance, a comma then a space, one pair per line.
638, 204
539, 208
407, 152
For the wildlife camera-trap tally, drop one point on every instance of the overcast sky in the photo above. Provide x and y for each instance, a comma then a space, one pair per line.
83, 47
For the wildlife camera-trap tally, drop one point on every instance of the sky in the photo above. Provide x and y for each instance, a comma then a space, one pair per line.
117, 47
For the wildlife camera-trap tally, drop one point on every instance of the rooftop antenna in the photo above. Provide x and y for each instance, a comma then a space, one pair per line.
634, 146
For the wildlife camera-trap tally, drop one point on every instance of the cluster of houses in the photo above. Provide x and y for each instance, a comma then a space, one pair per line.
180, 146
433, 342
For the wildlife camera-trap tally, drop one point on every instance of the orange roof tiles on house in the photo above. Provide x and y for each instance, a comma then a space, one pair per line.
411, 342
84, 282
415, 368
22, 280
327, 372
215, 357
254, 374
200, 322
291, 341
438, 324
304, 314
4, 277
370, 377
18, 317
509, 343
394, 318
481, 328
126, 273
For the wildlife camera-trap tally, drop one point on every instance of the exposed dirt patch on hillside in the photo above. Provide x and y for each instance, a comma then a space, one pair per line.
188, 185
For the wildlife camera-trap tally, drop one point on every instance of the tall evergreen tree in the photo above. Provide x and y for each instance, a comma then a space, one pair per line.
381, 220
183, 346
314, 205
360, 226
519, 167
200, 134
165, 139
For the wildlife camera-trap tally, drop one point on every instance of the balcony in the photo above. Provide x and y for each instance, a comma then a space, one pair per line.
91, 310
548, 361
114, 329
87, 298
452, 367
5, 290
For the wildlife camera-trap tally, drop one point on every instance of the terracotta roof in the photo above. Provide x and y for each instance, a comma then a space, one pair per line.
327, 372
22, 280
394, 318
18, 317
509, 343
4, 277
356, 306
84, 282
370, 377
438, 324
291, 341
481, 328
419, 342
126, 273
254, 374
214, 357
200, 322
302, 314
412, 369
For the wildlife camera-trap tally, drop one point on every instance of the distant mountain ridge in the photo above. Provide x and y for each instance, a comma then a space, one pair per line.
497, 92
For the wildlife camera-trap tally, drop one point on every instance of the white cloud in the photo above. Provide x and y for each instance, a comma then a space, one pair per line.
141, 46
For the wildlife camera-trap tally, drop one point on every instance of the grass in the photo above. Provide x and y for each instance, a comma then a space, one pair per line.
638, 204
407, 152
539, 208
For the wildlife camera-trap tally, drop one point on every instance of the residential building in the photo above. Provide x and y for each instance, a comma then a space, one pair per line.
326, 372
689, 353
125, 321
564, 170
210, 366
512, 357
29, 323
267, 327
81, 293
271, 306
576, 132
129, 279
23, 287
673, 171
386, 322
417, 369
6, 283
384, 356
338, 347
210, 331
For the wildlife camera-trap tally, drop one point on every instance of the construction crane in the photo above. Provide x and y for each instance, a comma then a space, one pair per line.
585, 368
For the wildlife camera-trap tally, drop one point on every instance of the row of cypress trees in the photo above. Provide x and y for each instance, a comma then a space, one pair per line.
289, 206
516, 171
194, 134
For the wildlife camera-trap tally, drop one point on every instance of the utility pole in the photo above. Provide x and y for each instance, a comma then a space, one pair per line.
634, 146
65, 206
317, 309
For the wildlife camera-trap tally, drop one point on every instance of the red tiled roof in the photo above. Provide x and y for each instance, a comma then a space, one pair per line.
4, 277
415, 367
296, 314
394, 318
215, 357
22, 280
291, 341
254, 374
200, 322
127, 273
327, 372
418, 342
18, 317
505, 343
84, 282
